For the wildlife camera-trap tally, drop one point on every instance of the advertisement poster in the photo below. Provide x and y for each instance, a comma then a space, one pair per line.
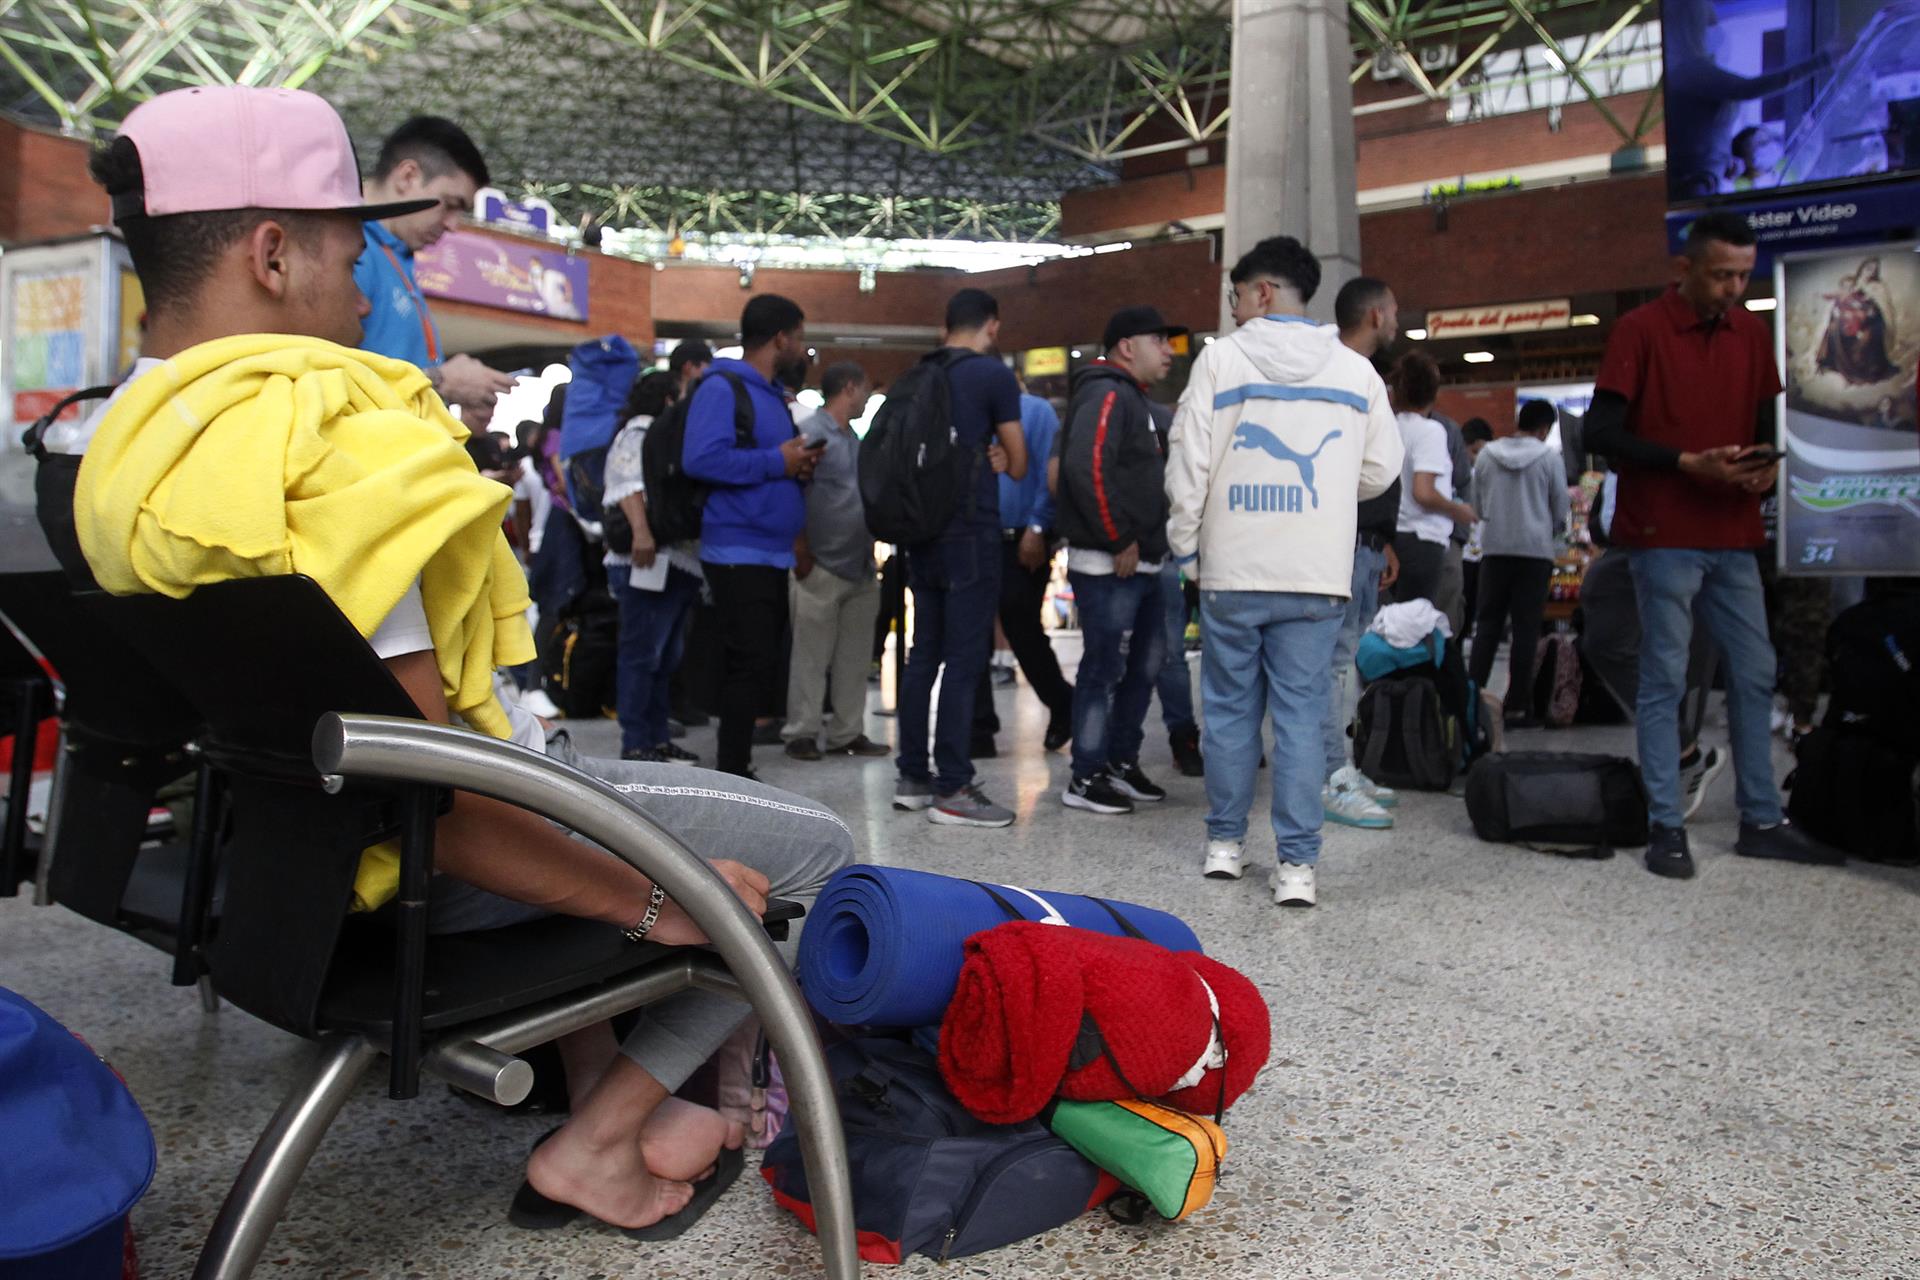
1850, 346
49, 339
500, 273
1779, 93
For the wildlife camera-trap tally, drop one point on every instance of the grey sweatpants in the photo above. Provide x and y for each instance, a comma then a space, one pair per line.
796, 843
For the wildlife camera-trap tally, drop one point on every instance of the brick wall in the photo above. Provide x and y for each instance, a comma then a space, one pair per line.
1393, 148
1590, 237
44, 187
690, 294
1495, 403
1069, 301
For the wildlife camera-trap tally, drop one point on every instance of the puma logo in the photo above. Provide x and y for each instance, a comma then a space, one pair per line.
1250, 435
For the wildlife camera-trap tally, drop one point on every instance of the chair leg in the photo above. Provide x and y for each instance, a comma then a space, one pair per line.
42, 893
13, 838
209, 998
266, 1182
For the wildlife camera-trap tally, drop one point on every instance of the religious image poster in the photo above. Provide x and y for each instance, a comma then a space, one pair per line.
1850, 347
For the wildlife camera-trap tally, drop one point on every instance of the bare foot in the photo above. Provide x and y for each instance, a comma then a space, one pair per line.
681, 1139
612, 1183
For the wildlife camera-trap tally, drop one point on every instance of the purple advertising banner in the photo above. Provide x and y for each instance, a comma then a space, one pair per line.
500, 273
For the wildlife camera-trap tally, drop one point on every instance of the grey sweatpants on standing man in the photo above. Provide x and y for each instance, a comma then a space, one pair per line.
796, 843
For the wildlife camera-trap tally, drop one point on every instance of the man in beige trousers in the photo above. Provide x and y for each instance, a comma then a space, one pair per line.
836, 596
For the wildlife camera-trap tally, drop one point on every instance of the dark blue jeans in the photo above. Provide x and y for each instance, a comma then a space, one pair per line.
653, 628
956, 592
1176, 677
1123, 633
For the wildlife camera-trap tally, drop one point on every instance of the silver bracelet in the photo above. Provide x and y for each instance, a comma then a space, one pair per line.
638, 933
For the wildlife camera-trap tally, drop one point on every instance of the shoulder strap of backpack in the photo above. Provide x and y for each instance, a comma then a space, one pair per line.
35, 434
1376, 752
1413, 724
743, 416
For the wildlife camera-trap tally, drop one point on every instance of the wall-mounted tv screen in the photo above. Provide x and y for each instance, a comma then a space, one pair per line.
1765, 94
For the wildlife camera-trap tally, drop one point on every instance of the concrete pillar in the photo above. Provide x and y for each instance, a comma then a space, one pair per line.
1290, 138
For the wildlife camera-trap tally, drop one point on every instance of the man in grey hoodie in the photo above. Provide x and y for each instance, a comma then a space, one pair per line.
1520, 491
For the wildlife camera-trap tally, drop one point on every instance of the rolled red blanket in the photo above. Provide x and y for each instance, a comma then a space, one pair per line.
1043, 1011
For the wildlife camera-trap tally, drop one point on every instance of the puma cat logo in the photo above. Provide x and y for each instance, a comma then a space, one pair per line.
1249, 435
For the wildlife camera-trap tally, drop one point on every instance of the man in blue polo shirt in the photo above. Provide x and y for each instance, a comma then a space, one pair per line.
754, 512
426, 158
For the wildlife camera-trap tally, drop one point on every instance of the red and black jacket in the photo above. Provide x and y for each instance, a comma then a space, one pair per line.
1112, 466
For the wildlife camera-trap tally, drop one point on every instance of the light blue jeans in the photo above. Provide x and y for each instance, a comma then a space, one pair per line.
1668, 582
1368, 565
1267, 650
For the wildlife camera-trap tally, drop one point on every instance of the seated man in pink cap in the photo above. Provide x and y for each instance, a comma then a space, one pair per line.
252, 439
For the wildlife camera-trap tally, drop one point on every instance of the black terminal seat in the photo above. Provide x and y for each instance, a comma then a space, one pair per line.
262, 662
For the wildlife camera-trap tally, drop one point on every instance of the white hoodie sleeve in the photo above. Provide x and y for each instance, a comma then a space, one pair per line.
1383, 453
1190, 460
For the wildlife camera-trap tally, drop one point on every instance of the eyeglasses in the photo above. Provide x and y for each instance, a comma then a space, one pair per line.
1231, 294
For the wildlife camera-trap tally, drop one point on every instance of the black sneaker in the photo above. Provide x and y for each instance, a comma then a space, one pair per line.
982, 748
1096, 794
767, 735
1129, 781
1784, 842
643, 755
1667, 853
670, 754
803, 749
1186, 752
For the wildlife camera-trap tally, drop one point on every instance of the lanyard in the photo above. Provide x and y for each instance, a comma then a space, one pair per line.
419, 306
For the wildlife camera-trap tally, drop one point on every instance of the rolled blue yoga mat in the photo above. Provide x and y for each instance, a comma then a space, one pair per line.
883, 945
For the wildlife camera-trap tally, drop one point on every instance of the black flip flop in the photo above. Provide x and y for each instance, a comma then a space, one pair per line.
532, 1211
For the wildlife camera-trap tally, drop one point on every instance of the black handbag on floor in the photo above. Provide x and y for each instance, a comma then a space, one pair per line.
1580, 806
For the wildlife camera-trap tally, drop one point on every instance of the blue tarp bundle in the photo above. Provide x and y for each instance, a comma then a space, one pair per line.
882, 945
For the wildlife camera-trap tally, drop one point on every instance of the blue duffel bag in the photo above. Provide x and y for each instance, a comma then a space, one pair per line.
927, 1176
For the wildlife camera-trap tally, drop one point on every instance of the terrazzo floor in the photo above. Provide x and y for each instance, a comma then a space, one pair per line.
1487, 1063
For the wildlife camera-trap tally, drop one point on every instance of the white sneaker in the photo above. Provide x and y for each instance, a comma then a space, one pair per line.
1223, 860
536, 701
1695, 780
1351, 807
1350, 778
1292, 885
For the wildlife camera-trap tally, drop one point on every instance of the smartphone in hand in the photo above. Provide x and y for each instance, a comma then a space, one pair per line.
1760, 455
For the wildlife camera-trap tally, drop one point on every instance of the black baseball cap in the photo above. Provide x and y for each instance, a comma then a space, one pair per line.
1131, 322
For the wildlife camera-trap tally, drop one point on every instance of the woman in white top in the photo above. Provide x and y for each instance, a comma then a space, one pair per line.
1427, 508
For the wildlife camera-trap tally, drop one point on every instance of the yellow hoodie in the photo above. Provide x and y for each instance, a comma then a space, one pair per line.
269, 454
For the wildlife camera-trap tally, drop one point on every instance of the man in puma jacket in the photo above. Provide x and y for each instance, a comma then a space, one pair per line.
1281, 432
1108, 473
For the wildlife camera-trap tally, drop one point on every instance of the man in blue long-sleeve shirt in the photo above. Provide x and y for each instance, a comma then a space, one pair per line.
754, 512
1026, 537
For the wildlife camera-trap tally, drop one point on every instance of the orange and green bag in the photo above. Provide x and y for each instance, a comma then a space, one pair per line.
1170, 1157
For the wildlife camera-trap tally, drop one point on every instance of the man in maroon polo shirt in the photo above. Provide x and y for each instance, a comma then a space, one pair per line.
1683, 407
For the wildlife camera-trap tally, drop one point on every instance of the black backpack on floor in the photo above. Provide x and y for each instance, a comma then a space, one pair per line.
1404, 735
675, 500
1581, 806
1873, 657
1858, 794
914, 473
580, 653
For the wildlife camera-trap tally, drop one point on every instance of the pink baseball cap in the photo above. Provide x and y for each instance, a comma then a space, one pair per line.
223, 147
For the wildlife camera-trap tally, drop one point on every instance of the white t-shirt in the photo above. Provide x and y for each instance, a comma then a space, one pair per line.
405, 631
1426, 450
531, 489
1089, 560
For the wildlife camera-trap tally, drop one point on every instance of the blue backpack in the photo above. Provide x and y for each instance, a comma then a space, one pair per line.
603, 372
79, 1152
927, 1176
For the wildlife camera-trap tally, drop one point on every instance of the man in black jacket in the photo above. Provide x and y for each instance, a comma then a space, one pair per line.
1108, 473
